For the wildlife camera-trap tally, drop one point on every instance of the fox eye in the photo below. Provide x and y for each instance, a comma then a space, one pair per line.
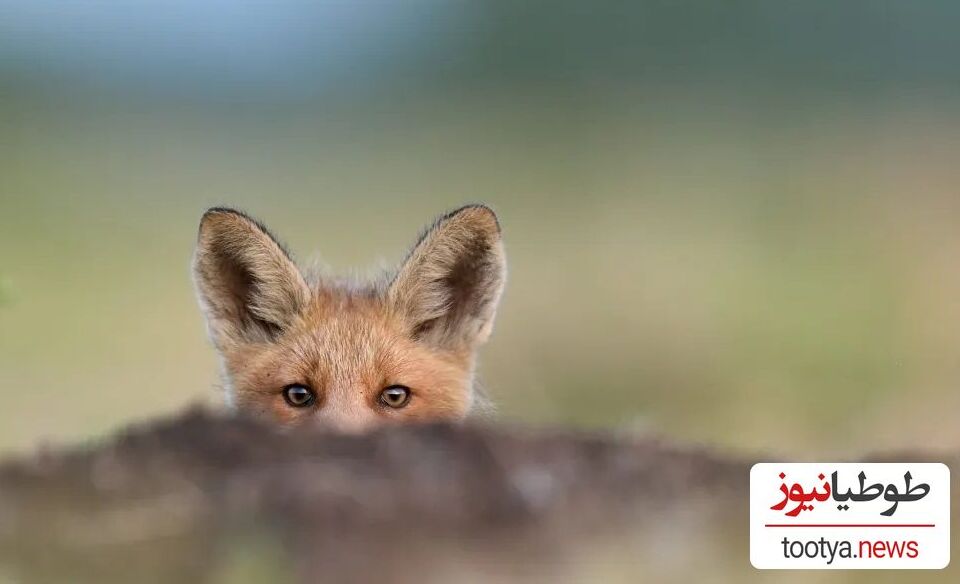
299, 396
395, 396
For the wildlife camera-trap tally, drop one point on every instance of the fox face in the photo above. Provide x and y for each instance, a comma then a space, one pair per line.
299, 350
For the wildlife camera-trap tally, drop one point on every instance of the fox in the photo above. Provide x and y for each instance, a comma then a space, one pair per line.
297, 348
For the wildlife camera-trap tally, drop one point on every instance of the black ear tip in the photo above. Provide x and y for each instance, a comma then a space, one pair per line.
218, 209
218, 222
229, 216
214, 212
479, 215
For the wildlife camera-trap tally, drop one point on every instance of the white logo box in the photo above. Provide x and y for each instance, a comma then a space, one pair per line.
890, 521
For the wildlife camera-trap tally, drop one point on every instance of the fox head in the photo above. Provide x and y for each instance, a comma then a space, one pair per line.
301, 350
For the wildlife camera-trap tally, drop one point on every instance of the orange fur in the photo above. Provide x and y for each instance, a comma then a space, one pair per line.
420, 327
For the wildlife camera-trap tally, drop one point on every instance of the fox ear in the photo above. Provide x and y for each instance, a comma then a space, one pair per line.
450, 283
249, 288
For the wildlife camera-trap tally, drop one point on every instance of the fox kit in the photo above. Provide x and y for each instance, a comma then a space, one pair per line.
301, 350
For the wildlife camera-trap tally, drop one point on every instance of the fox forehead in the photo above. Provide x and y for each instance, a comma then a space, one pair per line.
351, 336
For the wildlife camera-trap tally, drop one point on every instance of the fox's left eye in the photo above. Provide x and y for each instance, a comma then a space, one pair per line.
299, 396
395, 396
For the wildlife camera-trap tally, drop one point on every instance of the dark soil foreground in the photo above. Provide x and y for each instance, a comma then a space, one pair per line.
207, 498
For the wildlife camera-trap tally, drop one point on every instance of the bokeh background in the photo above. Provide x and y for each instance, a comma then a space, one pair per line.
734, 223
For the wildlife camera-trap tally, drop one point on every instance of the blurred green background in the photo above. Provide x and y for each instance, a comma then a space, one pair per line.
734, 223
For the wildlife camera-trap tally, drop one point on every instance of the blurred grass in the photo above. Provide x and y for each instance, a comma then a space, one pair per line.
717, 272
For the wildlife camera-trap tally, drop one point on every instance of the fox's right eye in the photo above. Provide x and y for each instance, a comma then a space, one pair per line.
299, 396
